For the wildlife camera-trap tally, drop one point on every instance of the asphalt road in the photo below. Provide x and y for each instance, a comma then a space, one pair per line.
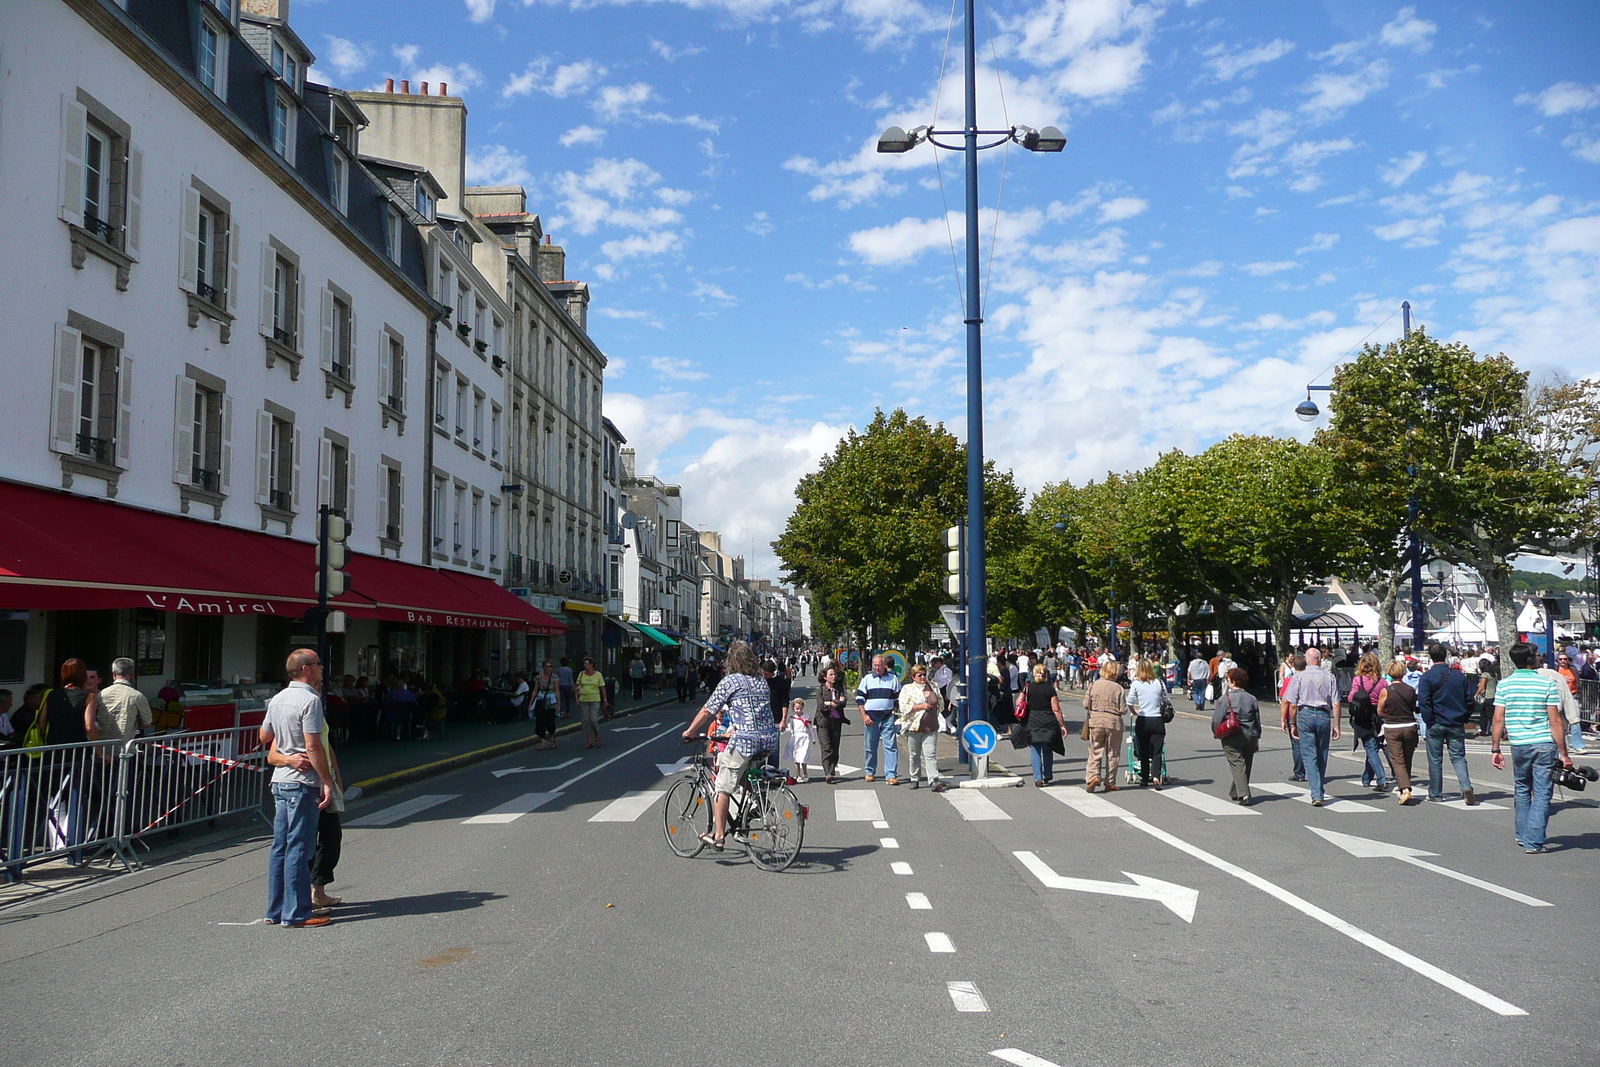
547, 938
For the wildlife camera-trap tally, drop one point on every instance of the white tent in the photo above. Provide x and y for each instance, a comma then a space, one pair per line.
1531, 620
1468, 629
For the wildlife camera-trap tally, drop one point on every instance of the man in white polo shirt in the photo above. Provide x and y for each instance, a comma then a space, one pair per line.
294, 720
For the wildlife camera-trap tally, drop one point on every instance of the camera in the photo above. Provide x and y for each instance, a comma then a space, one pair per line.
1574, 779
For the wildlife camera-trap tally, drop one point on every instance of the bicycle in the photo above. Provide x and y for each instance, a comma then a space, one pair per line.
764, 815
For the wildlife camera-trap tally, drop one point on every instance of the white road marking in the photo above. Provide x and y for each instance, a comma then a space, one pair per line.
1339, 807
632, 729
918, 902
1179, 899
965, 996
888, 842
1085, 803
880, 824
842, 769
674, 768
1482, 805
1205, 801
857, 805
404, 809
1367, 849
511, 810
621, 755
530, 770
900, 868
1355, 933
1021, 1058
975, 807
629, 806
262, 921
939, 942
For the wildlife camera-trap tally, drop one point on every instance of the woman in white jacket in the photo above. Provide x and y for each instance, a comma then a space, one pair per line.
918, 719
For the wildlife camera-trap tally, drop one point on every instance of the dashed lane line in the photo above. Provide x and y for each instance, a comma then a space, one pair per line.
900, 868
918, 902
888, 842
1205, 801
965, 996
938, 942
1020, 1058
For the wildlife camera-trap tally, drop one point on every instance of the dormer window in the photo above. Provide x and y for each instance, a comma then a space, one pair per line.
425, 202
285, 66
224, 8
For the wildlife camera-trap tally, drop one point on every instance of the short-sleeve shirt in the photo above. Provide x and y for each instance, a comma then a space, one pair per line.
124, 711
589, 687
1313, 687
1527, 696
564, 676
295, 712
745, 701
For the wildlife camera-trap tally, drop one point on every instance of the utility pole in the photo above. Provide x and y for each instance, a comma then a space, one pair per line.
1419, 618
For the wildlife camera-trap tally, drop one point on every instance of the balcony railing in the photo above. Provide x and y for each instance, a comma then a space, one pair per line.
96, 448
101, 228
514, 569
391, 532
279, 498
282, 336
215, 294
201, 478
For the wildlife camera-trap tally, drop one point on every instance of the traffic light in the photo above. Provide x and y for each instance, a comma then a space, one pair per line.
333, 555
954, 560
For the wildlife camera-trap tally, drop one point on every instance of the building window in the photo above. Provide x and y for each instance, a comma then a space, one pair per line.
572, 389
616, 576
208, 252
478, 330
477, 421
447, 287
391, 503
672, 533
463, 311
496, 332
441, 397
439, 489
572, 472
458, 521
477, 527
202, 435
333, 475
338, 334
95, 430
278, 461
391, 235
284, 118
341, 182
211, 64
224, 8
425, 202
463, 392
392, 373
280, 297
494, 433
494, 533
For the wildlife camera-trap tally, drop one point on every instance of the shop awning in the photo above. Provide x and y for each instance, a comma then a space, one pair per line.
656, 635
623, 624
583, 605
61, 552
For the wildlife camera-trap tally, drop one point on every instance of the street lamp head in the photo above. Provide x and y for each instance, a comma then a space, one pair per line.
1307, 409
896, 140
1049, 139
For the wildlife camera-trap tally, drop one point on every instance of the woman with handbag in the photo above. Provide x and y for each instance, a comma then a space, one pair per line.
1236, 722
1041, 718
1102, 727
1147, 700
830, 720
919, 725
1366, 690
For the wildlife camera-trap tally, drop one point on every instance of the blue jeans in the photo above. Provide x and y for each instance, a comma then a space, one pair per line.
1575, 738
294, 839
1299, 763
1373, 773
1531, 767
1314, 726
883, 729
1044, 760
1198, 691
1441, 735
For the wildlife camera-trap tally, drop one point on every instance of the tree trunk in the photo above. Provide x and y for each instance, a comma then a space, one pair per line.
1386, 609
1503, 603
1172, 637
1282, 615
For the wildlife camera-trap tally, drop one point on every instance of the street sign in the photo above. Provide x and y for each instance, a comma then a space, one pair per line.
955, 617
980, 738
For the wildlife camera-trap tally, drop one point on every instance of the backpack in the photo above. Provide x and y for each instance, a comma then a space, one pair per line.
1363, 712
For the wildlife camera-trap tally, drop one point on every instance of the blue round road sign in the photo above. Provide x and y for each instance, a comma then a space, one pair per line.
980, 738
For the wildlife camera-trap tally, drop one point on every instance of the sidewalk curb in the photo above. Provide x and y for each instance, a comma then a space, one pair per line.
407, 775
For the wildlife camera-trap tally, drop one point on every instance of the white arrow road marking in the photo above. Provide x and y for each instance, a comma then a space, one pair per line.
1180, 900
628, 807
965, 996
1021, 1058
621, 755
511, 810
1367, 849
530, 770
395, 812
674, 768
1340, 807
631, 729
939, 942
1355, 933
1482, 805
857, 805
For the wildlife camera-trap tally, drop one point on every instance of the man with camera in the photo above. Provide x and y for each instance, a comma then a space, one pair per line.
1527, 713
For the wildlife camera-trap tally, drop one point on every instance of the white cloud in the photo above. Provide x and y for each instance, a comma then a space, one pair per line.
1584, 147
582, 135
704, 291
1332, 93
644, 318
902, 241
346, 58
566, 80
1090, 48
1399, 171
1123, 207
1242, 63
672, 55
759, 224
1306, 154
640, 245
1265, 268
613, 101
1320, 242
1408, 31
682, 370
494, 164
406, 53
480, 10
1415, 233
1563, 98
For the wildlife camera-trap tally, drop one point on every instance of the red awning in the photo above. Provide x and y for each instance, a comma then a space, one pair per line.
61, 552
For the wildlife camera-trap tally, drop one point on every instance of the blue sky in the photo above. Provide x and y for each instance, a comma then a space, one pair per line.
1248, 190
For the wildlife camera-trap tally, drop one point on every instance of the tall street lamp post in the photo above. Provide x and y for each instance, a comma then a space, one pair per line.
896, 140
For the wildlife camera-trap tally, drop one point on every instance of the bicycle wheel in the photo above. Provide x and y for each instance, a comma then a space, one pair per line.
685, 817
776, 829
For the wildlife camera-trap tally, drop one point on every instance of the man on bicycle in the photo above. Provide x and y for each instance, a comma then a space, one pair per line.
743, 694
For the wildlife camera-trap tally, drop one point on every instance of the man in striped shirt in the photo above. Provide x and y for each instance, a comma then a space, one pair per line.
1527, 713
878, 697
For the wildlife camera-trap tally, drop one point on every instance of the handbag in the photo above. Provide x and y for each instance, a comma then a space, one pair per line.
1021, 736
1168, 712
37, 735
1021, 708
1229, 725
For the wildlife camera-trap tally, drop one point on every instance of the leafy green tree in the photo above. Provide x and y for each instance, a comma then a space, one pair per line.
1501, 468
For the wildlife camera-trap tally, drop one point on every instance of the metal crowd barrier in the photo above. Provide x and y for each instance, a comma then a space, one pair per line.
1589, 702
104, 796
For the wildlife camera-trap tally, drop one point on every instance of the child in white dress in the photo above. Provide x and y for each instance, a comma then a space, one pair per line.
799, 732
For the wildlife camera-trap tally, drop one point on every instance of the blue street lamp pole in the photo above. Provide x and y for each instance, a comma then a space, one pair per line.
1048, 139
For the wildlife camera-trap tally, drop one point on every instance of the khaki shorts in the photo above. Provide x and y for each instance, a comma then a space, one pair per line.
730, 768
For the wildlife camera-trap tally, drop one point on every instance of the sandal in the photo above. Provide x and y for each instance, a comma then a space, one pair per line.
714, 842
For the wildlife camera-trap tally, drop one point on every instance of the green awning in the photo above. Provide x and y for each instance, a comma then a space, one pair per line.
655, 635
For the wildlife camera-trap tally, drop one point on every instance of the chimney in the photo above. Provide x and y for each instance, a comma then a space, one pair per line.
269, 9
552, 265
405, 86
626, 455
424, 88
388, 85
444, 88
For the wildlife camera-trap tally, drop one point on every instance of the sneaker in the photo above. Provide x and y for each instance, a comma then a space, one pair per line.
1466, 795
1316, 802
1534, 850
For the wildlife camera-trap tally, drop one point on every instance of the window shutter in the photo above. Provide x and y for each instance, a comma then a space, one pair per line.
263, 457
189, 271
299, 339
74, 128
64, 412
135, 211
355, 334
385, 368
349, 501
400, 511
401, 393
124, 429
225, 476
324, 472
269, 267
294, 489
232, 295
183, 432
327, 329
383, 500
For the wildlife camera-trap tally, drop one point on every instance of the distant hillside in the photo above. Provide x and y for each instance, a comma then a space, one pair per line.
1532, 581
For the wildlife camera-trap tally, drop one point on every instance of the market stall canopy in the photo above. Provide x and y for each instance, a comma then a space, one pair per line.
656, 635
